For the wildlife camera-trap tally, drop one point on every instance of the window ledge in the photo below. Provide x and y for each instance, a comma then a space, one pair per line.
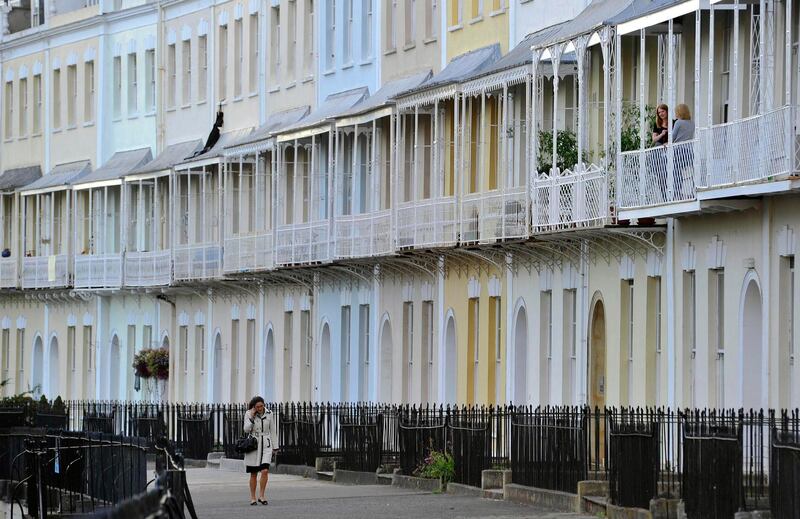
475, 20
237, 99
87, 124
36, 135
274, 89
171, 109
430, 40
201, 103
291, 84
22, 137
185, 106
409, 46
70, 127
133, 116
456, 27
54, 130
393, 50
252, 94
347, 65
329, 72
8, 140
365, 62
307, 79
150, 114
498, 12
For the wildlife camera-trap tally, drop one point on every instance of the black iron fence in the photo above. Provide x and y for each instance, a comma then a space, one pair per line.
62, 472
716, 461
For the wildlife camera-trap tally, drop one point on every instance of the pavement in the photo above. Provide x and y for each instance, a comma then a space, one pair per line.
221, 494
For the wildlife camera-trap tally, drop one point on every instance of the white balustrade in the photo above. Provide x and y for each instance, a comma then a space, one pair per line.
568, 200
758, 148
363, 235
660, 175
494, 215
45, 271
248, 252
200, 261
8, 272
427, 223
308, 242
98, 271
148, 269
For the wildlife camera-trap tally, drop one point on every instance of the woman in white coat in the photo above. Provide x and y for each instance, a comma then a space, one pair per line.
258, 422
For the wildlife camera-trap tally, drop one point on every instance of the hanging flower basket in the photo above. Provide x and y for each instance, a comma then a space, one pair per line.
152, 363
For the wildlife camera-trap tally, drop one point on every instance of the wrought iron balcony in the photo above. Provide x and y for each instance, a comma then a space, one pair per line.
660, 175
569, 199
8, 272
363, 235
500, 214
198, 261
303, 243
98, 271
249, 252
432, 222
148, 269
45, 271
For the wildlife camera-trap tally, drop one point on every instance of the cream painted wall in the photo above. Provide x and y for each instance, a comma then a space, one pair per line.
28, 149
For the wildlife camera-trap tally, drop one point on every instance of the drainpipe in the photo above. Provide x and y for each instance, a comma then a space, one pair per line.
160, 137
672, 354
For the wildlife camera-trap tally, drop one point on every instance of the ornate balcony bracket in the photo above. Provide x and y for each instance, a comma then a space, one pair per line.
465, 261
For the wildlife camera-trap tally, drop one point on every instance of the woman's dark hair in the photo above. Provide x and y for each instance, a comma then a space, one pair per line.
253, 401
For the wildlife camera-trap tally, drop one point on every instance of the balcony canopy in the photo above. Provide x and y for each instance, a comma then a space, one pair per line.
60, 177
263, 137
588, 21
647, 13
379, 104
165, 160
119, 165
445, 83
512, 68
16, 178
315, 122
213, 156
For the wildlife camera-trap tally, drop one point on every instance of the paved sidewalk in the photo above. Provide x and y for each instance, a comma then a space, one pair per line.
220, 494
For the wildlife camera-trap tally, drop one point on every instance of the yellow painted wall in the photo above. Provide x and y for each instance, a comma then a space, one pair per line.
488, 387
477, 27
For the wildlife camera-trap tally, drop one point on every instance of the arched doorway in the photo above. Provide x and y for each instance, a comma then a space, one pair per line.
269, 367
165, 342
387, 374
37, 375
52, 378
597, 356
114, 370
521, 357
217, 379
451, 361
326, 364
751, 346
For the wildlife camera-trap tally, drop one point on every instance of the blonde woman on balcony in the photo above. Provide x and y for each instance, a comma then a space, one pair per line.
683, 127
682, 131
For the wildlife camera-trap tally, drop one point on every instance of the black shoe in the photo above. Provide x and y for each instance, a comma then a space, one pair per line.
263, 501
253, 503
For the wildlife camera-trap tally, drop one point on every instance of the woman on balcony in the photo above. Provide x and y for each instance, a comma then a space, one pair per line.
661, 126
682, 131
258, 423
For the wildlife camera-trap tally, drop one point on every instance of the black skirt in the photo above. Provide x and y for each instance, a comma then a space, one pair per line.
255, 470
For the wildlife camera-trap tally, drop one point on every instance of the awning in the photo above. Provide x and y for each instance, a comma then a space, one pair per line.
590, 19
444, 84
60, 177
262, 137
512, 68
212, 156
647, 13
119, 165
373, 106
15, 178
334, 105
165, 160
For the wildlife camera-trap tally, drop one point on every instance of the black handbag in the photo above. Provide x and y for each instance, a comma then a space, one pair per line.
246, 443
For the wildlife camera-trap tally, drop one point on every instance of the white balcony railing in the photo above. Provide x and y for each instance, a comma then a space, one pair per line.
427, 223
249, 252
98, 271
45, 271
661, 175
148, 269
363, 235
301, 243
198, 261
755, 149
495, 215
8, 272
569, 200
